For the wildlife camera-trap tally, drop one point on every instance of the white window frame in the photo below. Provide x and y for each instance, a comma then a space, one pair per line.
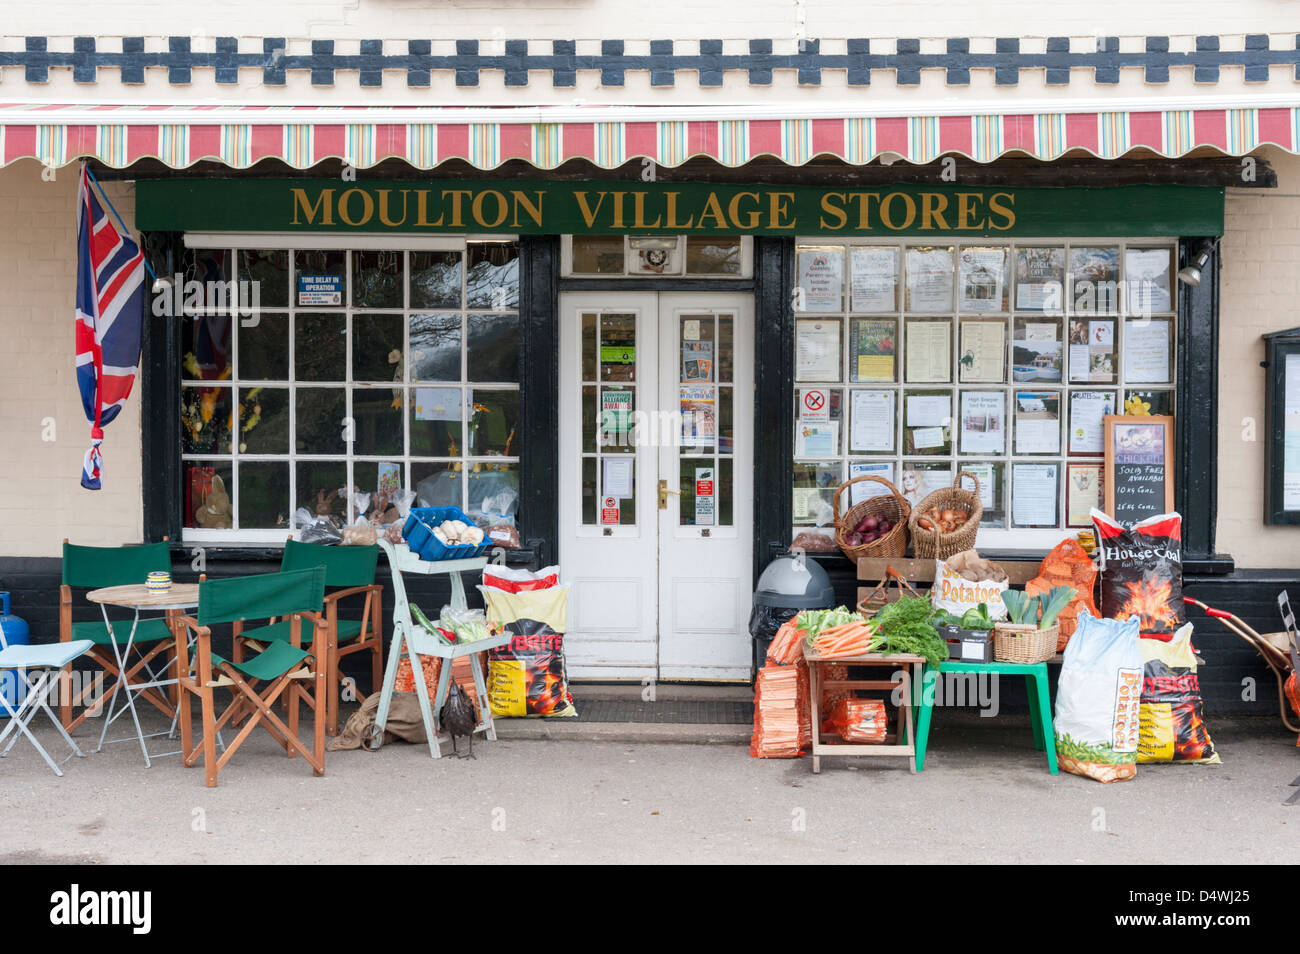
291, 244
1008, 537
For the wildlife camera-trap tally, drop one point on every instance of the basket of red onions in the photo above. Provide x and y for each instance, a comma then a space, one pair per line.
876, 527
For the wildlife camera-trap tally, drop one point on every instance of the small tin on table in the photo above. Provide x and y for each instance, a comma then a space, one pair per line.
159, 580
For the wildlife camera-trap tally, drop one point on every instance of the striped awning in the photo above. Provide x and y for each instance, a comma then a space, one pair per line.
424, 137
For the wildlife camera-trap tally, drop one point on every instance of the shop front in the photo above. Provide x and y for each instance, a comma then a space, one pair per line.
661, 385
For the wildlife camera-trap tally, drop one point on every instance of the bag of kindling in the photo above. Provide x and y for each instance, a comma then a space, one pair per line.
1098, 700
1173, 715
965, 580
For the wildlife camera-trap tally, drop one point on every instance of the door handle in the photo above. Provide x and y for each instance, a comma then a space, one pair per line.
663, 494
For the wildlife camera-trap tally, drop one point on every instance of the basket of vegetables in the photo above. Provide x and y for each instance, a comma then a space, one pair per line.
946, 521
1030, 631
875, 527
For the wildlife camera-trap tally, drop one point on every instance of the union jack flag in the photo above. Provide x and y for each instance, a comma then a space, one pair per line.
110, 318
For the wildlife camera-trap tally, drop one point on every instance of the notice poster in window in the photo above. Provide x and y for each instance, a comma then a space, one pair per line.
873, 282
929, 279
817, 440
983, 352
982, 276
697, 361
869, 488
617, 476
1088, 410
1082, 493
871, 422
929, 410
1146, 351
1033, 495
1036, 352
705, 510
988, 484
389, 478
699, 417
615, 417
872, 349
1092, 351
1038, 422
320, 290
918, 481
1040, 279
929, 352
983, 422
1094, 277
437, 404
821, 279
1146, 277
817, 350
815, 405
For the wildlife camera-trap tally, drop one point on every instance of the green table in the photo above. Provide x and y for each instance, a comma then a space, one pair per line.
1040, 703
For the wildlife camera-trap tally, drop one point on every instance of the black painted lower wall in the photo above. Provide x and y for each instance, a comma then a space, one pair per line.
1226, 678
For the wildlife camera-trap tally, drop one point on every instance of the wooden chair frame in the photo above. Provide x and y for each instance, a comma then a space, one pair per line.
247, 701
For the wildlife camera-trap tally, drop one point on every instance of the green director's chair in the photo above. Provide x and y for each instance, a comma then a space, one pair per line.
283, 666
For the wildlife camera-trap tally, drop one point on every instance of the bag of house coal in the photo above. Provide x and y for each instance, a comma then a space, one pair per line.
1173, 715
1098, 700
527, 676
1142, 571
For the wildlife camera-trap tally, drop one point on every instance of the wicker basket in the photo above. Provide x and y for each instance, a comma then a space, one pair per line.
1024, 642
892, 507
877, 598
927, 544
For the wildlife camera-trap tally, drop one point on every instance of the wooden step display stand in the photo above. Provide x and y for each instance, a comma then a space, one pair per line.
417, 642
900, 742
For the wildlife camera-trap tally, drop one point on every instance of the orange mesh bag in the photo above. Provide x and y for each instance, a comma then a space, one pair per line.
1293, 694
1067, 565
832, 672
780, 713
859, 720
787, 645
432, 665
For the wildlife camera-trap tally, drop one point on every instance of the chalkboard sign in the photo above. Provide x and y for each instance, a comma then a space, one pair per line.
1139, 477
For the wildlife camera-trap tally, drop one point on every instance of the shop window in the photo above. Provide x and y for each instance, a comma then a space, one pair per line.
918, 362
357, 370
657, 256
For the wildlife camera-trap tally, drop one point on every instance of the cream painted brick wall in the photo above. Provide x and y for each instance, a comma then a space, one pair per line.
41, 498
1261, 286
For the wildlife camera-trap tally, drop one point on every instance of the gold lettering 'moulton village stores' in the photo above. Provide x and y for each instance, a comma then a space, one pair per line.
568, 209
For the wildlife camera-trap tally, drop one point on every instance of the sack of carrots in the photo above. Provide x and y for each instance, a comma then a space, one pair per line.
859, 720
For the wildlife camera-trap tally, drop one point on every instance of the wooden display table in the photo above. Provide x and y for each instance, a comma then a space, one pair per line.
900, 742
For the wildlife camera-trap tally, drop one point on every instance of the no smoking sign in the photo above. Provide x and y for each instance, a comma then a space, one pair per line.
814, 405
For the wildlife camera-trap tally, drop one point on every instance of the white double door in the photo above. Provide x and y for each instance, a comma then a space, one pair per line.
656, 477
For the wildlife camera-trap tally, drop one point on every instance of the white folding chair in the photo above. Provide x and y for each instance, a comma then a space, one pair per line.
43, 664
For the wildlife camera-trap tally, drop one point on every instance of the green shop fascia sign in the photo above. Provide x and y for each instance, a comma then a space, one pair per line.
538, 207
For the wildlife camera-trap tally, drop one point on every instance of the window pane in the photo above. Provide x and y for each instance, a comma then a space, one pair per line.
719, 255
618, 347
590, 424
435, 279
436, 415
873, 349
726, 347
437, 483
263, 420
814, 488
589, 490
264, 348
984, 278
1157, 402
929, 279
376, 347
378, 413
922, 478
321, 415
493, 353
589, 345
207, 486
325, 272
270, 269
493, 491
205, 420
1040, 279
1037, 354
320, 347
319, 484
377, 279
992, 484
598, 255
1094, 275
210, 267
263, 495
1148, 351
927, 422
1092, 351
928, 350
205, 347
493, 419
435, 347
493, 278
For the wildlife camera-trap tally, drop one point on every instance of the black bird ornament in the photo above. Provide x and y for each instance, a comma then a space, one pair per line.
458, 718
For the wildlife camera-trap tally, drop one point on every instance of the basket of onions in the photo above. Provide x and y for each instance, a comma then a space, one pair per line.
946, 521
876, 526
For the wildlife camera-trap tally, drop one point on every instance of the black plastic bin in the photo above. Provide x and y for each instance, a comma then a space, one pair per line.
789, 585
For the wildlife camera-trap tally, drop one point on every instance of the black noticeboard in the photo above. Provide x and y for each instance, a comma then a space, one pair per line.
1139, 476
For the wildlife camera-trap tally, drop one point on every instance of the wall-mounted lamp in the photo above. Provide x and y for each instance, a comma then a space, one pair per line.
1191, 274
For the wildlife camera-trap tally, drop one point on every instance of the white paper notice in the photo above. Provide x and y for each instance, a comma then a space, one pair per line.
868, 489
1087, 408
872, 422
437, 404
929, 410
873, 282
817, 440
983, 424
1033, 495
817, 351
984, 474
821, 279
1038, 429
982, 271
618, 476
1146, 275
929, 279
929, 351
1146, 351
924, 438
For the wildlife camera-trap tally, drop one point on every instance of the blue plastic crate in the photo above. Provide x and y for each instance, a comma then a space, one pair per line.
418, 533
